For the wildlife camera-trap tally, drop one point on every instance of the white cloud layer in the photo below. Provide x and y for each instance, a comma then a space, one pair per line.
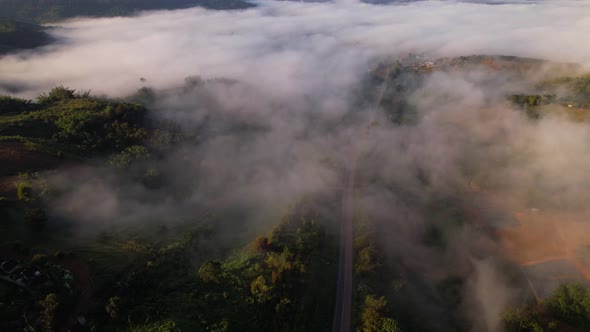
293, 48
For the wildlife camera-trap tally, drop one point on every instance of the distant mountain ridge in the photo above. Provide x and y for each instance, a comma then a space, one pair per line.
20, 19
44, 11
16, 35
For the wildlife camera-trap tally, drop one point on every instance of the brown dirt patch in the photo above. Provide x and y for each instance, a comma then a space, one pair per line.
535, 241
547, 236
15, 158
7, 188
541, 235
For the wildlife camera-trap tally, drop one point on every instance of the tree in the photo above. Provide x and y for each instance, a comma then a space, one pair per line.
24, 191
222, 326
260, 244
523, 320
367, 259
35, 216
57, 94
308, 236
49, 305
372, 314
260, 290
113, 307
210, 272
163, 326
128, 156
152, 178
533, 100
282, 263
390, 325
14, 105
283, 306
571, 303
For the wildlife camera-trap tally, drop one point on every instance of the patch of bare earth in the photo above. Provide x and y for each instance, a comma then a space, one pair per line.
546, 236
15, 158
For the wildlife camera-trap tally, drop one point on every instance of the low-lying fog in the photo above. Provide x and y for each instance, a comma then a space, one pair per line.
298, 65
292, 48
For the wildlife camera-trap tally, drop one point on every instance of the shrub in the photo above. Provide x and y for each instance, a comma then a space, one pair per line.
89, 124
152, 178
260, 290
40, 258
24, 191
521, 320
132, 154
56, 94
571, 303
35, 216
372, 314
14, 105
260, 244
283, 263
163, 326
112, 307
367, 260
49, 305
390, 325
210, 272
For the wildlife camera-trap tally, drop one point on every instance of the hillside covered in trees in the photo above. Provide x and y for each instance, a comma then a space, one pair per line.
127, 279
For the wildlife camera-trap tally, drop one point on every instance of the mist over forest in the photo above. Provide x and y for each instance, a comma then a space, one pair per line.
290, 166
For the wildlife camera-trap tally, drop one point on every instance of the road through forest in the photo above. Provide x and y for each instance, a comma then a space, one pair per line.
342, 310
